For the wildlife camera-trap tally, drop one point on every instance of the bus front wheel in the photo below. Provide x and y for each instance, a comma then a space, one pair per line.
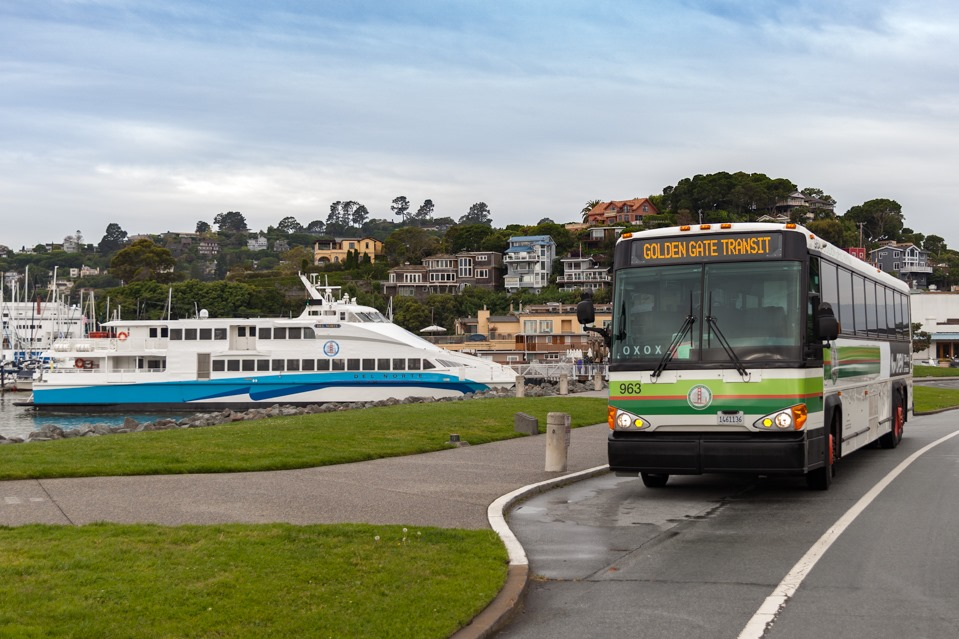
821, 478
653, 480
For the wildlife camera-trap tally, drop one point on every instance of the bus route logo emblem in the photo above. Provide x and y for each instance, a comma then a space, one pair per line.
331, 349
699, 397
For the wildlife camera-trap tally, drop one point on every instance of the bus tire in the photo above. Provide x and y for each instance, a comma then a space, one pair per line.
654, 480
821, 478
893, 437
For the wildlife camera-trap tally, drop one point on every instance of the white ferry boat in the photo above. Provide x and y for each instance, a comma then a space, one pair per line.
335, 351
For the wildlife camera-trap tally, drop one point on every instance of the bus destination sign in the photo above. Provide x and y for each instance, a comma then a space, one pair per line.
706, 248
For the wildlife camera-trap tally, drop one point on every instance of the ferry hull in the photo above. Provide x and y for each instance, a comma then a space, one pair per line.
294, 390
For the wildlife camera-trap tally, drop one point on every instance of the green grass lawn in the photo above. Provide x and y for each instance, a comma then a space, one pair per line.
930, 398
302, 441
109, 580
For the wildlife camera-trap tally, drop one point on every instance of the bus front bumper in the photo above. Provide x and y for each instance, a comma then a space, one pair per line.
698, 453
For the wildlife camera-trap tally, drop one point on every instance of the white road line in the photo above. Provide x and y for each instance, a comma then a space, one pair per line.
775, 602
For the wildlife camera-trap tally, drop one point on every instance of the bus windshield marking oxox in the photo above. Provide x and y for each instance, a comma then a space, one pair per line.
751, 348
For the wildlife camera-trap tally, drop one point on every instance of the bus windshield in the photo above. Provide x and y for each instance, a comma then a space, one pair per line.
755, 307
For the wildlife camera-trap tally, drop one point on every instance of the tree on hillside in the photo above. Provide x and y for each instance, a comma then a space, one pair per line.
289, 225
202, 227
424, 214
410, 244
478, 214
315, 227
835, 231
231, 221
113, 240
881, 219
934, 244
589, 207
143, 260
466, 237
736, 196
401, 207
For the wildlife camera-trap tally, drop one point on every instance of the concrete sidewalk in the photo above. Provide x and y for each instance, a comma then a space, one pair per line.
450, 489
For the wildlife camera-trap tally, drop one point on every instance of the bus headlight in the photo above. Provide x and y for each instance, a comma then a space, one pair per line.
622, 420
791, 418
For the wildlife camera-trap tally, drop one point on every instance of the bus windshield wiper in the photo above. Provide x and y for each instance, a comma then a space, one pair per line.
677, 339
714, 328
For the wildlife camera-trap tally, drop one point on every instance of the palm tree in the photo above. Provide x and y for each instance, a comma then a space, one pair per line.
589, 207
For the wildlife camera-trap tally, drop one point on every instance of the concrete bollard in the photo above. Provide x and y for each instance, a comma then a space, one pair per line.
520, 386
597, 381
564, 384
557, 442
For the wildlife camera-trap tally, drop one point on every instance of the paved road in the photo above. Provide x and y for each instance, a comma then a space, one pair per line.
611, 558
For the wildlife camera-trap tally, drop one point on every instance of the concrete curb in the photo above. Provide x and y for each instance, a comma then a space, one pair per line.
510, 598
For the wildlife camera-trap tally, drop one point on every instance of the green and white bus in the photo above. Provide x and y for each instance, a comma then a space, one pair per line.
750, 348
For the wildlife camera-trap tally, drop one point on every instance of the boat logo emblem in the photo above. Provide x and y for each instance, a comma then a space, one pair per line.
331, 349
699, 397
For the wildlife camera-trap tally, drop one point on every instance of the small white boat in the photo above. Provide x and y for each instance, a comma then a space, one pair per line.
335, 351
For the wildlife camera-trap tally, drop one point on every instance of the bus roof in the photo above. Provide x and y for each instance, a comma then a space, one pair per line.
814, 243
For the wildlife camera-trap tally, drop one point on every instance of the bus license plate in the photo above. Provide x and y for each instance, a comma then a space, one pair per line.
730, 419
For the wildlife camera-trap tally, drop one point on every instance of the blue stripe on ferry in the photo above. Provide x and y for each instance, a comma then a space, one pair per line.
257, 388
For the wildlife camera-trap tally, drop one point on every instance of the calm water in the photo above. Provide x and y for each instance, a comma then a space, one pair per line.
17, 421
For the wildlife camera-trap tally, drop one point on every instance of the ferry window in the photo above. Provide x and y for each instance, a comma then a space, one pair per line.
277, 364
218, 366
846, 322
262, 364
233, 365
249, 365
309, 364
279, 333
859, 302
295, 332
413, 364
154, 332
164, 332
427, 364
369, 365
219, 333
266, 333
872, 323
382, 364
189, 334
399, 364
176, 333
322, 364
338, 365
206, 334
353, 365
292, 364
308, 333
241, 331
253, 331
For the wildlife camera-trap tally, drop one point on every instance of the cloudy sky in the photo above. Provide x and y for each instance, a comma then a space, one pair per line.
156, 115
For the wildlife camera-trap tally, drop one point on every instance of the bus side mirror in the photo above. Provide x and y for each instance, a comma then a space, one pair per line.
585, 313
827, 326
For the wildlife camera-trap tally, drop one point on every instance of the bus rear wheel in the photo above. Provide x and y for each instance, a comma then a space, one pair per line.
893, 437
654, 480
